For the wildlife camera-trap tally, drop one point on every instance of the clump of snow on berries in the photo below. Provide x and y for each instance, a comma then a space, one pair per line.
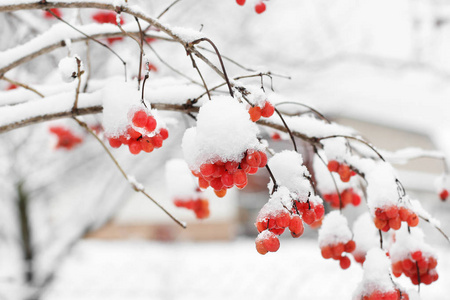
376, 277
118, 98
288, 169
179, 180
224, 132
68, 68
382, 190
407, 242
365, 235
334, 229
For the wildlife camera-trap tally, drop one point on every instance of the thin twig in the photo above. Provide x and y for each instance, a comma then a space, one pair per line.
435, 226
141, 55
167, 9
220, 60
287, 128
77, 92
22, 85
194, 65
275, 185
321, 116
136, 188
356, 139
91, 38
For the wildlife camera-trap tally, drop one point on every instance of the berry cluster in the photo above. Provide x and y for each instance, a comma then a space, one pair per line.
56, 11
223, 175
278, 221
347, 196
392, 216
138, 141
260, 7
257, 112
419, 268
337, 252
199, 206
109, 17
443, 194
395, 294
344, 171
66, 139
267, 241
309, 211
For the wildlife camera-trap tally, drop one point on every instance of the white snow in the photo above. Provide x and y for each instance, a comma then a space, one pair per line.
334, 229
179, 180
224, 132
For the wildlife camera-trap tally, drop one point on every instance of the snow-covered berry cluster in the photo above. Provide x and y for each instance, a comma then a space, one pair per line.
222, 175
347, 196
140, 135
391, 217
377, 283
335, 239
66, 139
256, 112
411, 256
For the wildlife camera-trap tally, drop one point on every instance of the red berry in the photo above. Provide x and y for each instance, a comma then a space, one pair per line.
443, 195
326, 252
151, 123
263, 162
309, 216
216, 184
413, 220
134, 135
239, 177
271, 242
220, 193
267, 110
56, 11
207, 169
392, 212
231, 166
333, 166
319, 210
260, 247
255, 113
260, 8
253, 158
404, 213
164, 133
135, 147
157, 141
140, 118
296, 226
202, 183
350, 246
147, 145
240, 2
115, 142
344, 262
227, 180
395, 223
344, 172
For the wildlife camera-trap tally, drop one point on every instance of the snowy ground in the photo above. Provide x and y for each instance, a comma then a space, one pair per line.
217, 270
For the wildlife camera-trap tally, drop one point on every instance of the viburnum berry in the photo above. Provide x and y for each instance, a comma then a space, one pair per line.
255, 113
391, 217
240, 2
110, 18
199, 206
348, 196
66, 139
56, 11
260, 7
443, 194
141, 134
267, 110
296, 226
333, 166
267, 241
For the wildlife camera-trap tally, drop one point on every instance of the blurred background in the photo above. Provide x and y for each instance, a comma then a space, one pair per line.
71, 227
